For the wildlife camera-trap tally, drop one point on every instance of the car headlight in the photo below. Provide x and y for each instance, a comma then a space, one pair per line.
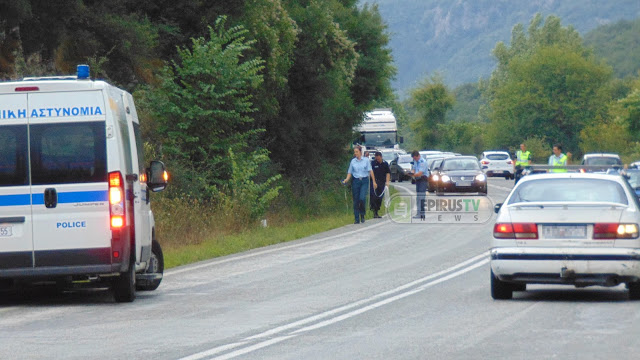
481, 177
445, 178
436, 177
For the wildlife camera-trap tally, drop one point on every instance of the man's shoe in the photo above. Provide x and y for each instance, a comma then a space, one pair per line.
356, 222
361, 218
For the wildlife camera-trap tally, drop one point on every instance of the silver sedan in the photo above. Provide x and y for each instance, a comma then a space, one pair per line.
566, 228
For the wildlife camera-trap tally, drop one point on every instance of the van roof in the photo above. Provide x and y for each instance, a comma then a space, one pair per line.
51, 84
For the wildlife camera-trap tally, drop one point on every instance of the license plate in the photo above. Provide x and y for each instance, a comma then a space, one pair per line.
463, 183
565, 232
6, 230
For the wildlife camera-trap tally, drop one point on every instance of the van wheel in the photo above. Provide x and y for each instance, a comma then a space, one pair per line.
124, 286
500, 290
156, 266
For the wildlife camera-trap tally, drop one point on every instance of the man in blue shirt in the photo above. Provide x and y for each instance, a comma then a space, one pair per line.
360, 170
420, 172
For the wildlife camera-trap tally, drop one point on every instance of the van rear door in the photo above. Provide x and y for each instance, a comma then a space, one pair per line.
16, 241
69, 179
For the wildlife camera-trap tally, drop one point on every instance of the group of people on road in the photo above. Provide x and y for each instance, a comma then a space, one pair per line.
361, 169
558, 159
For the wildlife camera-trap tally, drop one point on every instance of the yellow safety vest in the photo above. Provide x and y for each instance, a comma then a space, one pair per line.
559, 162
522, 158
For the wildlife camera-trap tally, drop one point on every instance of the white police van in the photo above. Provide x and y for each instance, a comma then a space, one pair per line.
74, 190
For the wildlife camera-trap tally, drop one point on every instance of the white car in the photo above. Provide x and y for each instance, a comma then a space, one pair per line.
566, 228
497, 163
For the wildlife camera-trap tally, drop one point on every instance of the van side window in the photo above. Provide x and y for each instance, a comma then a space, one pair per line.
63, 153
13, 155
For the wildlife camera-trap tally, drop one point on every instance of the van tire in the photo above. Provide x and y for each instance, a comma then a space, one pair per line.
124, 286
156, 265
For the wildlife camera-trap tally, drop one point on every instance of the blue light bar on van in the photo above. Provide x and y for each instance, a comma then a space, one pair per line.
83, 71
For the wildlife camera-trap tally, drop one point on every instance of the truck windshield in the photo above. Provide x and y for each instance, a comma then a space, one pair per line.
380, 138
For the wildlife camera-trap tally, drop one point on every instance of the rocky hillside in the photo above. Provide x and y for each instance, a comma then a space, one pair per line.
455, 37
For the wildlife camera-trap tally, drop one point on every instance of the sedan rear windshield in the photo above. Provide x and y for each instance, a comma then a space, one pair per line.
497, 156
460, 164
569, 190
603, 161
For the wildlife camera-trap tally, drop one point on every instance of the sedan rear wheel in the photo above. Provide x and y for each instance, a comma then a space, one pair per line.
500, 290
634, 290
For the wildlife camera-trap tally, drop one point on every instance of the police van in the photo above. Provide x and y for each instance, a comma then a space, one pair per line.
74, 188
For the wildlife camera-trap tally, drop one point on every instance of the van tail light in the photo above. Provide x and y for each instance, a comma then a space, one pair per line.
116, 201
484, 162
515, 231
615, 231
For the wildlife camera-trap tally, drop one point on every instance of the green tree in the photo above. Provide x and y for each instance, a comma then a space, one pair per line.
547, 84
431, 101
203, 105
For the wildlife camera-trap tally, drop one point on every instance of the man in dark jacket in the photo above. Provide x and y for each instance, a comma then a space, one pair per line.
382, 176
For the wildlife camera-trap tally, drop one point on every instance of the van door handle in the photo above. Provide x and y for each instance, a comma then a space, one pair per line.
50, 198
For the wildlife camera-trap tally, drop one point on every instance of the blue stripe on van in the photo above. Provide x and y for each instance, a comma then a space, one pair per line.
75, 197
16, 200
81, 196
63, 198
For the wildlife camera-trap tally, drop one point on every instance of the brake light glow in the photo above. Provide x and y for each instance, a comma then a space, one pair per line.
515, 231
116, 200
615, 231
27, 88
165, 175
484, 162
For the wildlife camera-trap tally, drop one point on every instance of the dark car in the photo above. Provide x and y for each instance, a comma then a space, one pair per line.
461, 174
400, 168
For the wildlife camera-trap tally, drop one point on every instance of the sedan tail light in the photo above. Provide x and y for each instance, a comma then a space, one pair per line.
615, 231
509, 162
515, 231
484, 162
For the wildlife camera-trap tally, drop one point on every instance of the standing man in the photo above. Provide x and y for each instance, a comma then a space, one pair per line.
360, 170
382, 176
523, 158
558, 159
420, 171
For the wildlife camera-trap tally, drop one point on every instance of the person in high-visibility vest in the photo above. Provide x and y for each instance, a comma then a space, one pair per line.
523, 158
558, 159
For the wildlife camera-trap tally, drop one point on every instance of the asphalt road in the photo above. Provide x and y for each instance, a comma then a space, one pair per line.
380, 290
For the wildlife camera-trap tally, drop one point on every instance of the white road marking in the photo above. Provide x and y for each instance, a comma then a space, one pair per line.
214, 351
214, 262
254, 347
358, 307
500, 187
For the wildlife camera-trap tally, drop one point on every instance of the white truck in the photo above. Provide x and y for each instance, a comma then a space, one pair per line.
74, 189
379, 131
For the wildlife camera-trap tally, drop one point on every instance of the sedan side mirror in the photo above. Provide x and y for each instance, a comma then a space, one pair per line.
497, 207
158, 176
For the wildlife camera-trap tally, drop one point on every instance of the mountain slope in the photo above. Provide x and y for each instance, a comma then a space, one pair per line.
456, 37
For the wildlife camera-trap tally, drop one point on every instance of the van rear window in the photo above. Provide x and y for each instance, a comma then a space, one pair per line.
63, 153
13, 155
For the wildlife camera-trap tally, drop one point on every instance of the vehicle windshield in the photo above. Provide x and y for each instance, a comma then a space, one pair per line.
380, 138
569, 190
602, 161
403, 159
434, 162
634, 179
460, 164
497, 156
388, 155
